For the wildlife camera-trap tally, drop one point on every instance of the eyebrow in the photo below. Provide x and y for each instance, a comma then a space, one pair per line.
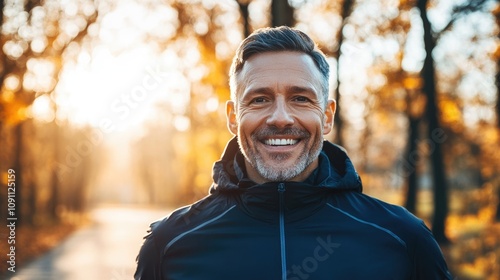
289, 89
262, 90
299, 89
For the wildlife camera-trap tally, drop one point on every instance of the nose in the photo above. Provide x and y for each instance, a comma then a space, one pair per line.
280, 116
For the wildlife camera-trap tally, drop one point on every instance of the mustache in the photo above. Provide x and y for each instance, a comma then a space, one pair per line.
275, 131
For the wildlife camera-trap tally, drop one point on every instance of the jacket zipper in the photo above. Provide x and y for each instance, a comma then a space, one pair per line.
281, 190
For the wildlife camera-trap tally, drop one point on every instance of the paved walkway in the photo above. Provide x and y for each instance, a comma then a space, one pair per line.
104, 251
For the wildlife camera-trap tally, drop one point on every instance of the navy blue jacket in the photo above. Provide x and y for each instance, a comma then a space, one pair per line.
322, 228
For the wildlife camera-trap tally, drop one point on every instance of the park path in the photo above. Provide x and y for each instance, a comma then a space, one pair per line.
104, 251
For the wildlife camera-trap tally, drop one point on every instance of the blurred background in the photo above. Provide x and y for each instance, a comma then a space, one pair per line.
112, 113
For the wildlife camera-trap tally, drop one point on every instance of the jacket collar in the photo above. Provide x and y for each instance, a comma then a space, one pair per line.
335, 171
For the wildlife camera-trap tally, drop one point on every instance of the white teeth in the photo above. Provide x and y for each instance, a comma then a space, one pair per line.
280, 142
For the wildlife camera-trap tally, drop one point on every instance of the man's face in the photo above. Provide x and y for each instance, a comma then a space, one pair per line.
280, 116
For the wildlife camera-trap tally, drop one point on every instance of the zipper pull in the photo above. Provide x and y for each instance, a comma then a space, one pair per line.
281, 187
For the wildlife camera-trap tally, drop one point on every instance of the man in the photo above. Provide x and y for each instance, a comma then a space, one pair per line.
285, 204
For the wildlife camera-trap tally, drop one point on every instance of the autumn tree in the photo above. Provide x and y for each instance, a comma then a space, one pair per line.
496, 13
243, 6
440, 186
35, 34
346, 10
282, 13
428, 74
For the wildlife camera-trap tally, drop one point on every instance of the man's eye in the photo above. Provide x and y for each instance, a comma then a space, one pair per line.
259, 100
301, 99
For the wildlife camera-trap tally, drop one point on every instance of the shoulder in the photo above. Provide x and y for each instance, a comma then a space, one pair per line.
179, 222
392, 218
188, 217
369, 207
395, 220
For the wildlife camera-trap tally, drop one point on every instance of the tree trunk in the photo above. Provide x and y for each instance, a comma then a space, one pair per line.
339, 122
497, 83
32, 195
281, 13
440, 187
244, 15
412, 159
22, 194
3, 57
3, 190
497, 76
497, 216
55, 177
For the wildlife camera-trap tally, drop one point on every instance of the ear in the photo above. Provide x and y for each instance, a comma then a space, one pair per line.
232, 123
330, 109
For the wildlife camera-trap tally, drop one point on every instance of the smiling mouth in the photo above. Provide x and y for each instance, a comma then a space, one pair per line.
281, 142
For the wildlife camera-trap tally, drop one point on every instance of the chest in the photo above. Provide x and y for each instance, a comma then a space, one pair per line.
250, 249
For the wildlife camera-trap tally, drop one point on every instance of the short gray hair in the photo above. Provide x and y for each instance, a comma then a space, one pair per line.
275, 39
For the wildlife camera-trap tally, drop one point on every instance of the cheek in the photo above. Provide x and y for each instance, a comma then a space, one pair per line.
249, 120
311, 120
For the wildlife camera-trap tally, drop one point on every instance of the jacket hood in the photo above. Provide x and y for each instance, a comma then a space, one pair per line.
335, 171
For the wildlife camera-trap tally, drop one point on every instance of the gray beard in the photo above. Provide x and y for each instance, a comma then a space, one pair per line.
279, 173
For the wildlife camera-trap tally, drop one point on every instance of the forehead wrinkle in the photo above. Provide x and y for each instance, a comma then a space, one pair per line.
266, 82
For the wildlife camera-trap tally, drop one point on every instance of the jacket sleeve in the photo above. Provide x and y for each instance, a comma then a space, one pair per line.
148, 260
429, 260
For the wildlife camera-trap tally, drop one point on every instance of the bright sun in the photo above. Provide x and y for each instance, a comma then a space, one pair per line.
116, 84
